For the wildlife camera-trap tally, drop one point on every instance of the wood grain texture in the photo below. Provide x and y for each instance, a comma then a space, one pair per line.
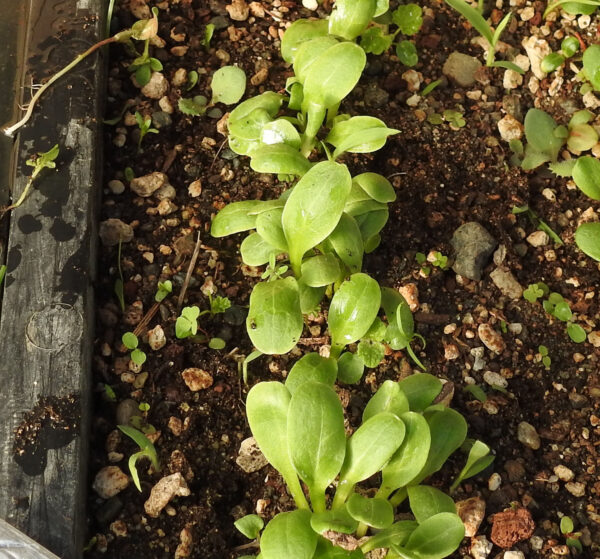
46, 325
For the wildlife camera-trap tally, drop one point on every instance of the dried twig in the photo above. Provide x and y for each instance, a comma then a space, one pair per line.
188, 276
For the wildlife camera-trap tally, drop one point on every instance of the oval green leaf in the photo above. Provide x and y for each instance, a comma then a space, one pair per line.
281, 159
388, 398
228, 85
376, 186
247, 124
240, 216
350, 368
426, 501
268, 226
421, 390
437, 537
256, 251
351, 17
275, 320
586, 175
289, 535
347, 242
587, 238
311, 367
338, 520
320, 270
300, 31
377, 513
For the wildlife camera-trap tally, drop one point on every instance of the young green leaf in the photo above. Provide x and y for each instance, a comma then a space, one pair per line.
359, 134
587, 238
308, 53
478, 460
311, 367
408, 18
240, 216
353, 309
281, 159
426, 501
576, 333
397, 534
421, 390
268, 226
351, 17
368, 450
474, 17
388, 398
376, 186
586, 175
267, 408
437, 537
540, 130
228, 85
371, 352
310, 297
566, 525
274, 320
334, 74
280, 131
335, 520
377, 513
406, 51
312, 212
350, 368
248, 118
300, 31
346, 240
320, 270
289, 535
375, 41
256, 251
408, 461
591, 65
130, 340
316, 438
250, 525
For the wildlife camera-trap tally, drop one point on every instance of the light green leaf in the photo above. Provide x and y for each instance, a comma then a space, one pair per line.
353, 309
371, 352
587, 238
308, 53
274, 320
240, 216
426, 501
350, 368
539, 131
248, 118
582, 137
437, 537
280, 131
311, 367
478, 460
586, 175
397, 534
591, 65
268, 226
250, 525
421, 390
563, 168
228, 85
281, 159
388, 398
300, 31
256, 251
335, 520
346, 240
289, 535
404, 320
382, 7
377, 513
313, 211
316, 438
334, 74
411, 457
376, 186
310, 297
359, 134
351, 17
320, 270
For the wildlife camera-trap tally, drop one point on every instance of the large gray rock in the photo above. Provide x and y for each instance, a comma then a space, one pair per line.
461, 68
473, 246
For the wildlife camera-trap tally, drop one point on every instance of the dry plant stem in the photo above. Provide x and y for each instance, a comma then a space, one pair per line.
188, 276
10, 131
139, 329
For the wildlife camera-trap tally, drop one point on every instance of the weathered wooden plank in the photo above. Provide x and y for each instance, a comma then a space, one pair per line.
46, 323
14, 543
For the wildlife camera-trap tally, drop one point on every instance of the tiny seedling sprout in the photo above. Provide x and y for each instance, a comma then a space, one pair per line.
131, 342
147, 450
145, 127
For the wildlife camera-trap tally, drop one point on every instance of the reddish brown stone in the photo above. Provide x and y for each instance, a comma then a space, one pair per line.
511, 526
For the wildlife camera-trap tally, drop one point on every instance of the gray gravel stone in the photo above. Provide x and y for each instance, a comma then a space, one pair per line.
473, 246
528, 436
461, 68
114, 230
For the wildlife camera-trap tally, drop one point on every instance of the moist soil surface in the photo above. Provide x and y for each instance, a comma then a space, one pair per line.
444, 175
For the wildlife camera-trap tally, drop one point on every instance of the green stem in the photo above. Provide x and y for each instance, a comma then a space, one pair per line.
331, 114
342, 493
12, 129
361, 531
317, 500
398, 497
491, 55
295, 488
335, 351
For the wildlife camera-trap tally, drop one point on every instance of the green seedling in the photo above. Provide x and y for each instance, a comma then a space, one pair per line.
218, 305
476, 391
479, 458
575, 8
430, 87
544, 137
537, 222
586, 175
591, 65
582, 136
163, 290
144, 126
192, 80
572, 538
43, 160
147, 450
554, 60
131, 342
128, 174
536, 291
144, 64
422, 261
299, 427
2, 273
546, 360
195, 106
228, 85
587, 238
208, 35
186, 324
483, 28
142, 30
109, 393
454, 118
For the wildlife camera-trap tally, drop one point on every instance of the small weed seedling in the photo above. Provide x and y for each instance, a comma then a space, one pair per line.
208, 34
555, 305
481, 25
164, 289
299, 427
44, 160
186, 324
572, 538
574, 8
147, 450
145, 127
131, 342
546, 360
143, 66
537, 222
554, 60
